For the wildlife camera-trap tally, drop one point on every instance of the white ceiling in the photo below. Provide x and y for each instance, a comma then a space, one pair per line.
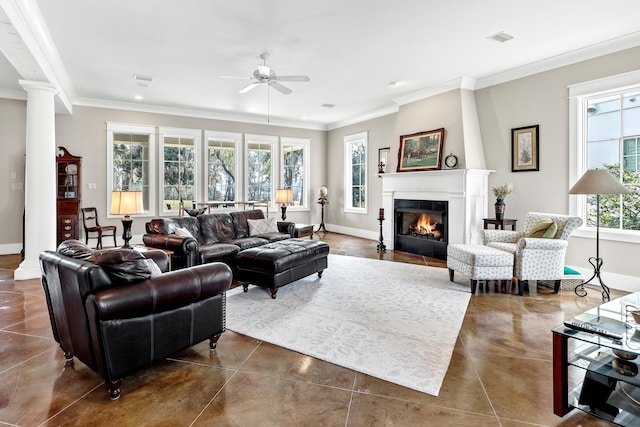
351, 50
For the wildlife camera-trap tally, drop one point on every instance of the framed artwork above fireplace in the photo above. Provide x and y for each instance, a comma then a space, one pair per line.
421, 151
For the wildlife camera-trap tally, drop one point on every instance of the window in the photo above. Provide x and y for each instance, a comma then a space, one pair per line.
355, 155
221, 167
178, 159
607, 136
295, 173
259, 157
130, 161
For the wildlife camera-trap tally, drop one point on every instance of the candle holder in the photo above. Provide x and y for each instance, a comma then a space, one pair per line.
381, 247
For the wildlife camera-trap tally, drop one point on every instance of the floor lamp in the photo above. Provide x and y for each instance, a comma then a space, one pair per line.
597, 181
126, 203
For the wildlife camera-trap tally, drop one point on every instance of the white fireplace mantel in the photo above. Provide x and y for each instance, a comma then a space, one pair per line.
466, 190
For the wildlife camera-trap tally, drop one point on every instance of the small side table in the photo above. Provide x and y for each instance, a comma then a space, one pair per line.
499, 223
303, 230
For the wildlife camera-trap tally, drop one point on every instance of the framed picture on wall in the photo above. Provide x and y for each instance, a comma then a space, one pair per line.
524, 149
421, 151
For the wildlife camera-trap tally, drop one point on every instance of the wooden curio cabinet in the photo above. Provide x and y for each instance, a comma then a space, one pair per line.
68, 178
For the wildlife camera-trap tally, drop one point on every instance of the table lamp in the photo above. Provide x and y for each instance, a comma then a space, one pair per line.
126, 203
284, 196
597, 181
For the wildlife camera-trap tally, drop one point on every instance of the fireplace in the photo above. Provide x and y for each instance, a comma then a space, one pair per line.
421, 227
464, 192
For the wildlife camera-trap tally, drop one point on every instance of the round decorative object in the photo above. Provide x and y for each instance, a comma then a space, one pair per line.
451, 161
624, 354
71, 169
323, 191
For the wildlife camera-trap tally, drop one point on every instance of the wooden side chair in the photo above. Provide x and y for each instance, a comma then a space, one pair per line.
91, 225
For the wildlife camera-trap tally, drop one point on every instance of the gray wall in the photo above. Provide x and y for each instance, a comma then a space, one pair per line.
13, 116
543, 99
83, 134
538, 99
381, 134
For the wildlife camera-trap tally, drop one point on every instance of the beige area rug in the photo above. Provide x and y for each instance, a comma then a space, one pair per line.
394, 321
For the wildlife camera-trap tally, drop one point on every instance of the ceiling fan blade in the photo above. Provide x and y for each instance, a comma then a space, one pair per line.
248, 88
280, 88
293, 78
234, 77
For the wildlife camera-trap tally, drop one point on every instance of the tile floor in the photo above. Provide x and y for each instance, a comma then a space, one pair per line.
500, 373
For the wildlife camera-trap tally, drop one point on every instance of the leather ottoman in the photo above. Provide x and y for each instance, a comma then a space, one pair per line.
279, 263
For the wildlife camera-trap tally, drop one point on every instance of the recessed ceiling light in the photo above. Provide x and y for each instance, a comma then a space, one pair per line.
328, 105
501, 37
398, 83
138, 97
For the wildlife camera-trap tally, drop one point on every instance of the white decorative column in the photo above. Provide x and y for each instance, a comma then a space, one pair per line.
40, 172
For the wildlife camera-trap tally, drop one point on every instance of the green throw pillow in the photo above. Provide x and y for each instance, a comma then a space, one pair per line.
545, 228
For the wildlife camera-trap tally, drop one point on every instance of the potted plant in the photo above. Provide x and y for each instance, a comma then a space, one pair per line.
501, 191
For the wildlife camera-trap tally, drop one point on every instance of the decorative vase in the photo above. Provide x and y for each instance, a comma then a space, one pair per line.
499, 209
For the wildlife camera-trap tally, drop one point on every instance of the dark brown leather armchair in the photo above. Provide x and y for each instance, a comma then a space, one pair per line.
117, 326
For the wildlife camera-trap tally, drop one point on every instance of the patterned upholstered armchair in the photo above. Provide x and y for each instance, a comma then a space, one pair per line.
536, 258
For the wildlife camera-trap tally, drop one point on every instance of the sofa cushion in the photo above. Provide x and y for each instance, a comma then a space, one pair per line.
216, 228
262, 226
122, 265
544, 228
240, 223
249, 242
218, 252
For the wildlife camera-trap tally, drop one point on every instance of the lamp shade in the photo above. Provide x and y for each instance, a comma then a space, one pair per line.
126, 203
284, 196
598, 181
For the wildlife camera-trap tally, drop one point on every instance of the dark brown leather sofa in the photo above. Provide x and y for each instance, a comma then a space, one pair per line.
116, 318
216, 237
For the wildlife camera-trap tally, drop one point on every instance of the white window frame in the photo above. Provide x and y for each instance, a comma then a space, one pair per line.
236, 139
305, 143
578, 93
170, 132
349, 140
275, 164
149, 130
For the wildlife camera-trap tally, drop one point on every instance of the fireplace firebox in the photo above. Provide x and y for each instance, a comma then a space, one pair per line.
421, 227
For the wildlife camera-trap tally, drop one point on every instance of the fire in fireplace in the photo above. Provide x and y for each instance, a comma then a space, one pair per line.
421, 227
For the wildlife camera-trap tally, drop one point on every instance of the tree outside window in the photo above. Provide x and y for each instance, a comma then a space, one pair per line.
293, 171
613, 142
221, 170
259, 174
356, 172
131, 164
179, 163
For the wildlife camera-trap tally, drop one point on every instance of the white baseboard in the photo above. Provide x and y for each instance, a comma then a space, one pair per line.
10, 248
356, 232
617, 281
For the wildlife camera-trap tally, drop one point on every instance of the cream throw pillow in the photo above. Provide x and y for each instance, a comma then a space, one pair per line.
262, 226
182, 232
545, 228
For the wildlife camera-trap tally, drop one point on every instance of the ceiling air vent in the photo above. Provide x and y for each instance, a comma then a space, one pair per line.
328, 105
501, 37
142, 81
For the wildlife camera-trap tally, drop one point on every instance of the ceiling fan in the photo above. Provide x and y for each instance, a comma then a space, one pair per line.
265, 75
